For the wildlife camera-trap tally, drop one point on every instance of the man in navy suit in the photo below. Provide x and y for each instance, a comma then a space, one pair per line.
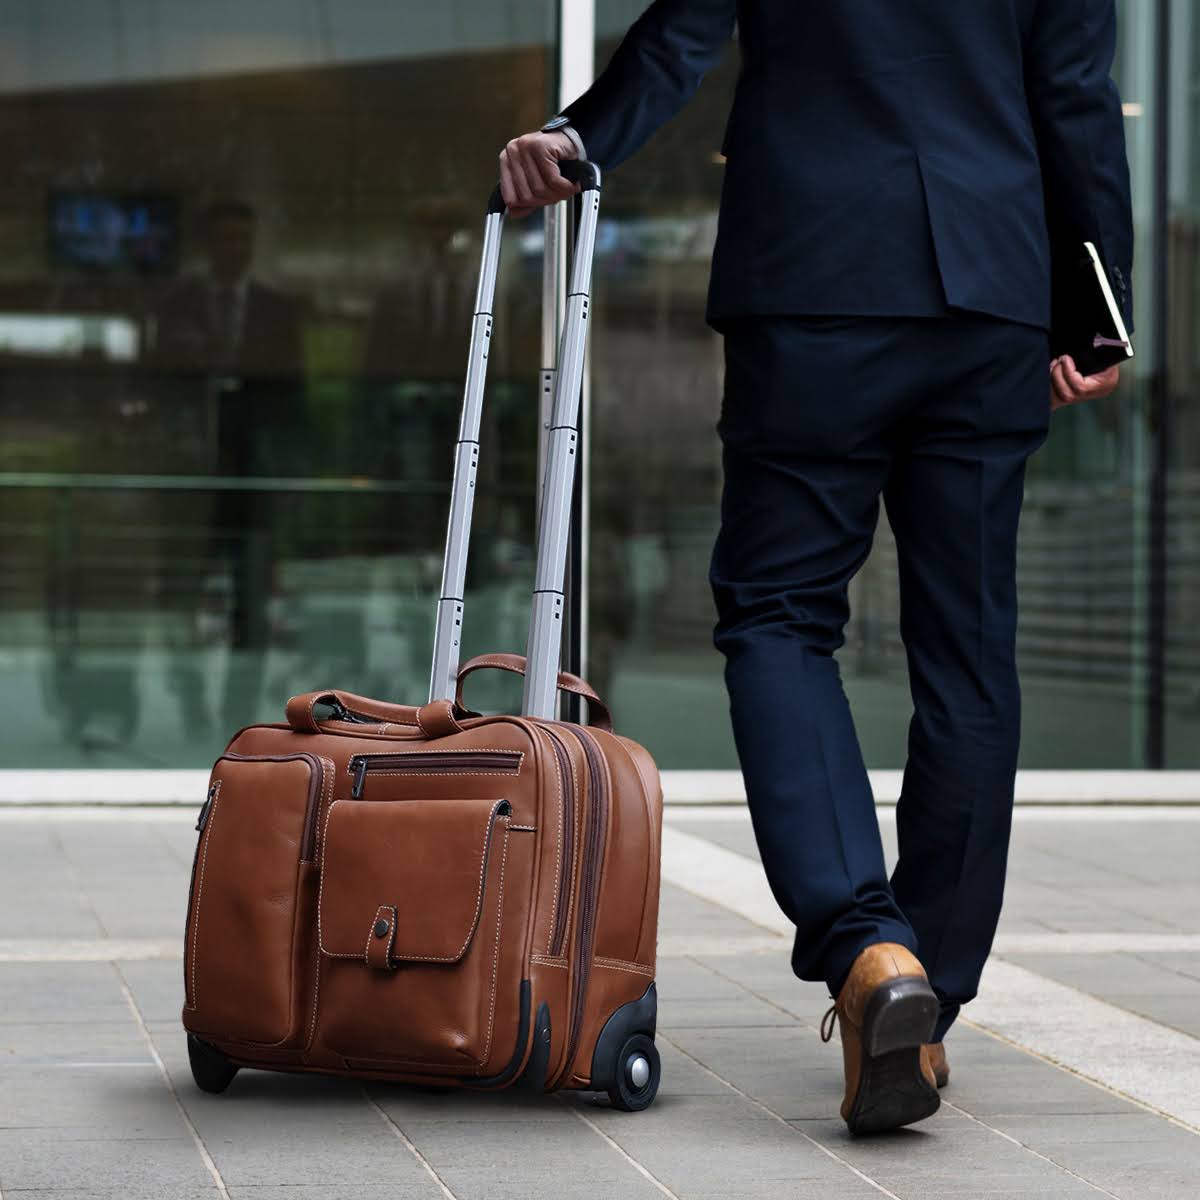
903, 179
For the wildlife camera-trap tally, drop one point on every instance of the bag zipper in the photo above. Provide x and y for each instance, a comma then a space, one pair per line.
309, 838
188, 948
433, 762
206, 807
589, 886
563, 883
342, 713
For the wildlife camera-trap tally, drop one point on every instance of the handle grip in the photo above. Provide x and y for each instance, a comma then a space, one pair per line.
435, 719
598, 711
346, 706
564, 383
574, 170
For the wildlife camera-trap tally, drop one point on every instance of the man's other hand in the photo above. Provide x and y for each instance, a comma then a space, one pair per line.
529, 174
1068, 386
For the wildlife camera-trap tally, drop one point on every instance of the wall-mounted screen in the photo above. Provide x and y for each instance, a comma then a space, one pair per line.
96, 231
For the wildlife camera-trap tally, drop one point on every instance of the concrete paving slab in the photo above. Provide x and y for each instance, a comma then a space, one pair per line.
151, 1167
502, 1147
1110, 974
71, 1045
118, 1193
1140, 1183
1174, 1012
787, 1070
691, 995
1129, 1126
60, 993
85, 1105
756, 1155
990, 1079
748, 1106
416, 1191
276, 1129
1181, 962
157, 987
553, 1180
770, 977
679, 909
1139, 983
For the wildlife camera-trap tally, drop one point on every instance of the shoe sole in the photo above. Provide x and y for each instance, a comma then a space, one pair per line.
892, 1091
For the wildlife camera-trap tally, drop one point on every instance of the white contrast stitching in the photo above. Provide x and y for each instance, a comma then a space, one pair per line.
558, 849
568, 685
208, 824
321, 884
312, 1021
388, 908
517, 754
575, 848
618, 964
395, 930
381, 721
523, 828
328, 762
328, 771
546, 961
478, 898
496, 960
492, 661
418, 774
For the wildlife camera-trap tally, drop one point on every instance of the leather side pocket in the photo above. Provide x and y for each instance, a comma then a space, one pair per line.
245, 918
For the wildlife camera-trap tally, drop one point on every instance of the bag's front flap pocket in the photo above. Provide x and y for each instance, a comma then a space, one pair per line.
403, 880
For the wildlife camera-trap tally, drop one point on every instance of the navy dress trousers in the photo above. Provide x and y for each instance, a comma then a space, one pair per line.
903, 181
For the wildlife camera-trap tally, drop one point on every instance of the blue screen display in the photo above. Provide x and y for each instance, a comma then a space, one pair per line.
93, 231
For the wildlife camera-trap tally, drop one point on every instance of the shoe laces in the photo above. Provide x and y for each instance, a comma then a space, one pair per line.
827, 1022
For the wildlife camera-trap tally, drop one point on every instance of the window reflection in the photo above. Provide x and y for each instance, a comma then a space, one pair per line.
655, 481
1182, 700
239, 260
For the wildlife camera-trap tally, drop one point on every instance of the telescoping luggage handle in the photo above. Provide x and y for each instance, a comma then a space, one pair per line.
544, 646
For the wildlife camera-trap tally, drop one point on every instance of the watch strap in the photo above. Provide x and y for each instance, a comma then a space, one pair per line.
562, 124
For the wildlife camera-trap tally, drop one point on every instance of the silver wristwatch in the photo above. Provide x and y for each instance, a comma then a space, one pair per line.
562, 124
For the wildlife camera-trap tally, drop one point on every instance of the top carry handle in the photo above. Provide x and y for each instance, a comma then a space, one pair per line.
545, 626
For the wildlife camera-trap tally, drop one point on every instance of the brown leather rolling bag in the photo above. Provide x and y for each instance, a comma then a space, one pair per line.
428, 894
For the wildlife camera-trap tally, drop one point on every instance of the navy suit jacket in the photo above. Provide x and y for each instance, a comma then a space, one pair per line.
887, 157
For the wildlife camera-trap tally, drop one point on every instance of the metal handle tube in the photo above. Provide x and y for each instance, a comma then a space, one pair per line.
448, 627
554, 286
544, 645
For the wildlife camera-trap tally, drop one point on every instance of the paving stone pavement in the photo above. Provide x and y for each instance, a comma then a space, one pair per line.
96, 1100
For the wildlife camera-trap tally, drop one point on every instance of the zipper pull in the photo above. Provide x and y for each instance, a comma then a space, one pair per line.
360, 777
205, 808
342, 713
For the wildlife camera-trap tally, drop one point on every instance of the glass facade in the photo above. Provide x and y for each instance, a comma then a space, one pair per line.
1092, 542
239, 253
1180, 400
240, 246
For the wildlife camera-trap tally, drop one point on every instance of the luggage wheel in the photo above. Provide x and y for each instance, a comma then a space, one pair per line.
211, 1070
636, 1074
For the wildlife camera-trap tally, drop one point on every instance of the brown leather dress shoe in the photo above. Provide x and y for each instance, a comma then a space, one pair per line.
934, 1054
886, 1011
